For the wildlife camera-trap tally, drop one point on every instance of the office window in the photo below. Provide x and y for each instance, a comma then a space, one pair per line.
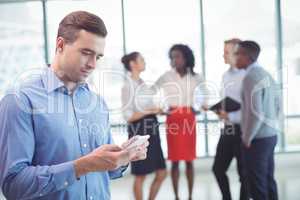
152, 27
108, 78
236, 19
291, 48
291, 76
21, 44
231, 19
292, 130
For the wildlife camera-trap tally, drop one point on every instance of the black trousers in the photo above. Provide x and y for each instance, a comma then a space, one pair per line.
229, 147
259, 165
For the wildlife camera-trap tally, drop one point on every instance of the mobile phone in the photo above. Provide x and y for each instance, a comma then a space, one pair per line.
138, 141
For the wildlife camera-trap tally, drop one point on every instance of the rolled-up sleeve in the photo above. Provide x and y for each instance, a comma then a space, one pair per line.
19, 178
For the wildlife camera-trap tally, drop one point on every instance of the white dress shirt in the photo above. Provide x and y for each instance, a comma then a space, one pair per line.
232, 87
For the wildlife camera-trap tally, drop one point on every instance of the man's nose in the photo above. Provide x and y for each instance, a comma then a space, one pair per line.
92, 63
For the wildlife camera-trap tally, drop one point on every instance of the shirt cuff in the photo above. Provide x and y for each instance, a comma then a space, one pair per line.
233, 117
246, 140
118, 173
230, 117
128, 114
63, 174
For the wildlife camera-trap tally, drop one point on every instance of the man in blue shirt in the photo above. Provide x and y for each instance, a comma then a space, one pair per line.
54, 131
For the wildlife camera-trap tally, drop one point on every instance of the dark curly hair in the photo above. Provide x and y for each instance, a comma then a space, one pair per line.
188, 56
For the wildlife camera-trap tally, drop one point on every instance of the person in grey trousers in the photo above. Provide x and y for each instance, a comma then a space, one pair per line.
260, 122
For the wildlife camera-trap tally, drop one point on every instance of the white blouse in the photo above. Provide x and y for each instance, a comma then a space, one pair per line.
136, 97
189, 90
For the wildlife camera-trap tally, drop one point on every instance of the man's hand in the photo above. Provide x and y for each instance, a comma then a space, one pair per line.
136, 153
154, 111
140, 153
106, 157
109, 157
205, 108
223, 115
247, 146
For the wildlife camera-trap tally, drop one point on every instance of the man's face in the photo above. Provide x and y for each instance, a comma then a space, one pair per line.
229, 54
241, 58
78, 60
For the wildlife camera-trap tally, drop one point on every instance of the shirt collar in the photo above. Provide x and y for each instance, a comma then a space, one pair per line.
174, 71
233, 69
254, 64
52, 82
139, 81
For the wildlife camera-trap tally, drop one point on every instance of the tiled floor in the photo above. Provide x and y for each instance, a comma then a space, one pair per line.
206, 188
288, 178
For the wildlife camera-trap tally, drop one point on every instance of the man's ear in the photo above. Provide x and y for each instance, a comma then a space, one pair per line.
60, 44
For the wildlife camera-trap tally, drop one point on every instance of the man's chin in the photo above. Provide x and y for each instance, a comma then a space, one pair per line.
81, 79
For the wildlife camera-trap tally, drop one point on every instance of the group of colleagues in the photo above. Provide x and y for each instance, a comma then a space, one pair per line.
55, 138
248, 135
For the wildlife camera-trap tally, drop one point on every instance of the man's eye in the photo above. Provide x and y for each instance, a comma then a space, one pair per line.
98, 57
85, 53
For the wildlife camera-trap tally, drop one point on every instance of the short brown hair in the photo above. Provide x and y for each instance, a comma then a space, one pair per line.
233, 41
80, 20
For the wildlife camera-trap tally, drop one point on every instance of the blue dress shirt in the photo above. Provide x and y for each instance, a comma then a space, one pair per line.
43, 129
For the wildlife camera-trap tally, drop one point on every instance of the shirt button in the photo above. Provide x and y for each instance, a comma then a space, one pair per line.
91, 198
66, 183
85, 145
41, 194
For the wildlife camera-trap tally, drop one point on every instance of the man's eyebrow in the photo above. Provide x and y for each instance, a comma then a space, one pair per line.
91, 51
